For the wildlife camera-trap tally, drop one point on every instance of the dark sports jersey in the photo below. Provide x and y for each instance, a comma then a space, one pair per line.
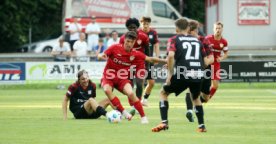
153, 39
188, 56
78, 95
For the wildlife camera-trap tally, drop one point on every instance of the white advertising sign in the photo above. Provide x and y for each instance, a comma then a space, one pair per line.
62, 70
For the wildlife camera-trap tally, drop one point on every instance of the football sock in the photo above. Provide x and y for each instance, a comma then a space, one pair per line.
146, 96
139, 88
130, 102
101, 110
189, 103
116, 102
199, 114
164, 107
212, 92
138, 106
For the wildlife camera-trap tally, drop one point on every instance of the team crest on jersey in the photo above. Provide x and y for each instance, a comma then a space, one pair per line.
221, 45
139, 41
131, 58
150, 36
89, 92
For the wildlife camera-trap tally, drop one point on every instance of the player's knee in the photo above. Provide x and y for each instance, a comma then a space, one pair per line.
108, 91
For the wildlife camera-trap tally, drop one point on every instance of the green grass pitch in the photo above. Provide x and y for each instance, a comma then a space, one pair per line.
238, 114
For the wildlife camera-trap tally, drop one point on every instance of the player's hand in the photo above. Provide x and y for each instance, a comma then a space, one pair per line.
219, 59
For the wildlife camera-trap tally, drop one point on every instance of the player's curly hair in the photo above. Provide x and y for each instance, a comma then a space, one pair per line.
132, 21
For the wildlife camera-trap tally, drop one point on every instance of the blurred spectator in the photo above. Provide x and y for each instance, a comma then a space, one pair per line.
81, 49
75, 30
114, 38
100, 47
93, 30
61, 51
106, 36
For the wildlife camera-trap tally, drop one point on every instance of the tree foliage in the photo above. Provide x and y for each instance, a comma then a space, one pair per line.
194, 9
18, 16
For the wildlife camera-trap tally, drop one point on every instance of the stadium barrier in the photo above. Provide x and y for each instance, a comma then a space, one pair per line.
231, 71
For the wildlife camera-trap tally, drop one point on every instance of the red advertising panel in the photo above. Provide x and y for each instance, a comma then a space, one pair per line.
254, 12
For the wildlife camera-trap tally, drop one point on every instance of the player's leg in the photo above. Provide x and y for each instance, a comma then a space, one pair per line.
147, 91
127, 90
214, 87
108, 88
139, 87
189, 106
163, 107
91, 106
195, 91
215, 78
177, 87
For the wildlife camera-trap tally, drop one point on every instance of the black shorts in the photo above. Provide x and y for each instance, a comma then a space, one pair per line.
177, 86
151, 72
80, 113
206, 83
205, 86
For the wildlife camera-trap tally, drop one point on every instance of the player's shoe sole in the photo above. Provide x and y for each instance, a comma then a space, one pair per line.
190, 117
160, 127
201, 129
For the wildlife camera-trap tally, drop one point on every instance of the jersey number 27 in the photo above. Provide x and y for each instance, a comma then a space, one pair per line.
190, 46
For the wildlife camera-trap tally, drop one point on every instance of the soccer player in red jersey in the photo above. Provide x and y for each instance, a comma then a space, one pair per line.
153, 49
219, 46
116, 74
142, 45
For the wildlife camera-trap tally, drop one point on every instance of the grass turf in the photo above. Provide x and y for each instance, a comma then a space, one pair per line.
243, 115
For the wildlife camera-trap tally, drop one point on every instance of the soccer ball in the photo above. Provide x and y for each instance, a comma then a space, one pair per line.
114, 116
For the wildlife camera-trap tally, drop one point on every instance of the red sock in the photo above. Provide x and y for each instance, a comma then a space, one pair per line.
212, 92
116, 102
130, 102
138, 106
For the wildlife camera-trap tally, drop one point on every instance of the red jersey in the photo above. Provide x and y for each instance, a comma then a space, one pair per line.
120, 60
217, 46
141, 43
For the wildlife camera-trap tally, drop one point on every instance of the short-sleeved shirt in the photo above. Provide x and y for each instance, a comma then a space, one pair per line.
93, 27
78, 95
74, 27
81, 48
217, 46
188, 56
64, 48
120, 60
153, 39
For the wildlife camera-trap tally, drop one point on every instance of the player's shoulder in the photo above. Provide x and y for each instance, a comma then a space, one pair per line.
141, 34
209, 37
223, 40
92, 84
74, 86
153, 30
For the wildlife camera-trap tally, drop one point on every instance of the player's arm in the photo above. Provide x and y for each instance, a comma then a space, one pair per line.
170, 62
221, 58
208, 60
64, 106
102, 56
155, 60
156, 49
